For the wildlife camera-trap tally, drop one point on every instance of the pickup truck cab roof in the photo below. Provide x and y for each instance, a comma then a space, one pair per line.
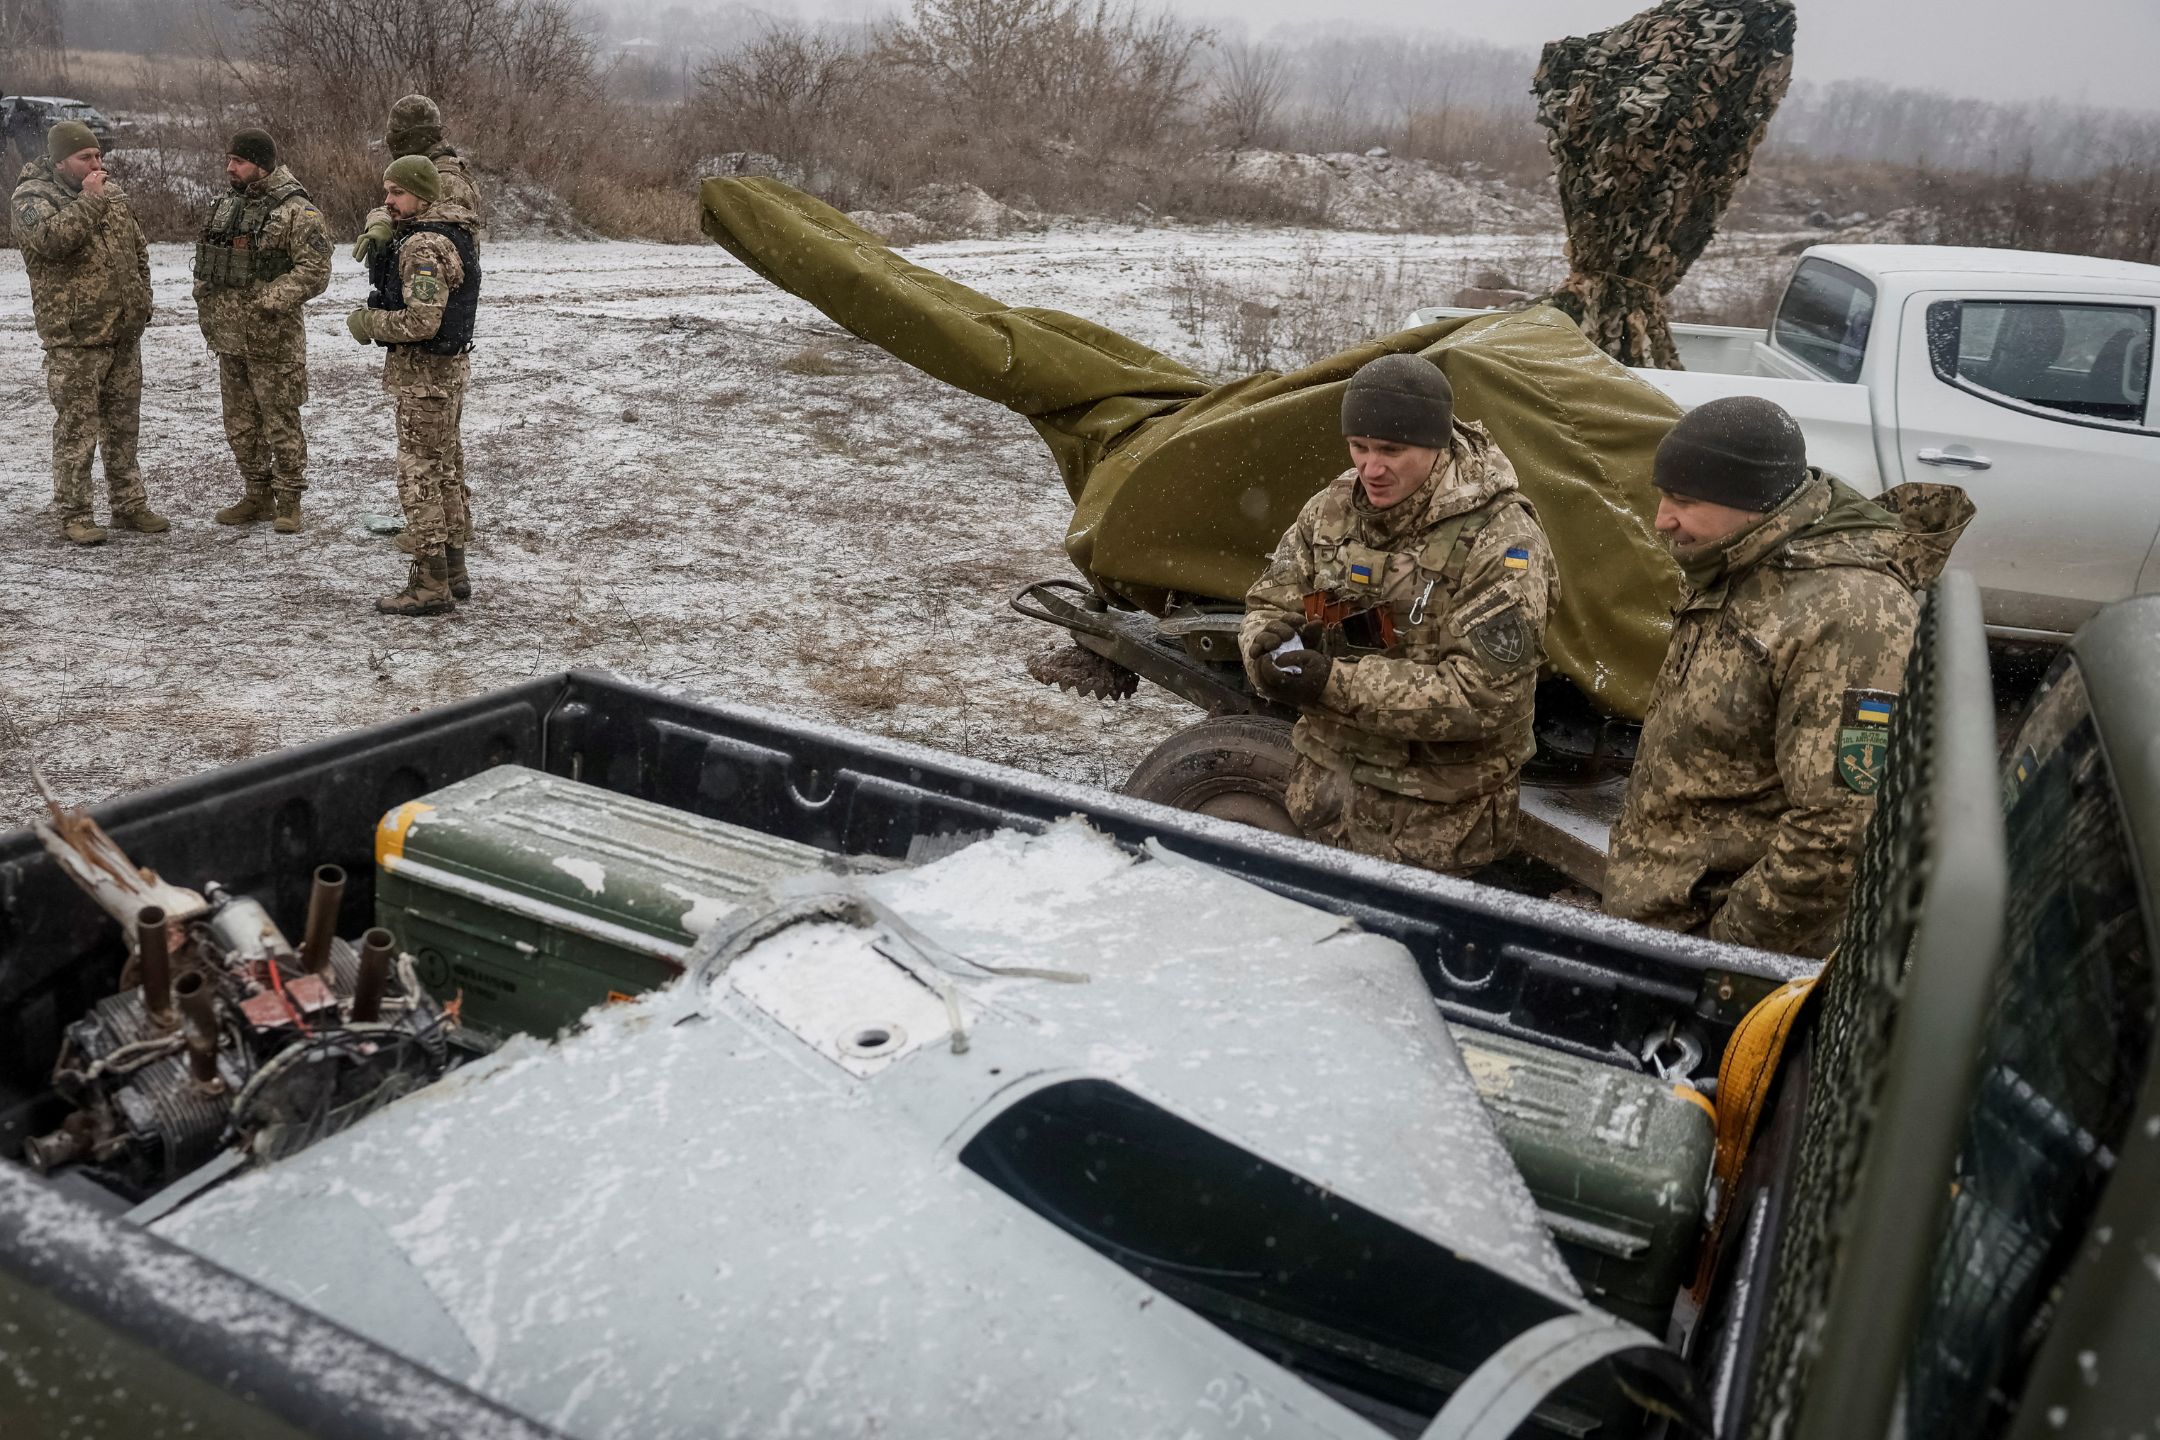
1964, 263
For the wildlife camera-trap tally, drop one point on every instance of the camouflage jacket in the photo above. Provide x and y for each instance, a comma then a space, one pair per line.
428, 270
458, 191
1442, 709
89, 268
265, 253
1764, 742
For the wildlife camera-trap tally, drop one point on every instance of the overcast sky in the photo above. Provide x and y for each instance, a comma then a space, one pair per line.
2103, 52
2106, 52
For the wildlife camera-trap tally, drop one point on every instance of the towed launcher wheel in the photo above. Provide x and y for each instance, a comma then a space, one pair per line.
1233, 767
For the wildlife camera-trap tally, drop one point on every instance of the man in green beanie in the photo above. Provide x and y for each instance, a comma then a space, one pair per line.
1767, 730
423, 300
264, 253
1404, 615
415, 128
90, 296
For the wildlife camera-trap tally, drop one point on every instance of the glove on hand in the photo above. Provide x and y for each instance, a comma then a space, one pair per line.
1302, 686
371, 239
1270, 635
357, 323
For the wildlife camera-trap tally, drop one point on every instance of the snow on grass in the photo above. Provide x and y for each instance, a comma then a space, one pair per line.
679, 474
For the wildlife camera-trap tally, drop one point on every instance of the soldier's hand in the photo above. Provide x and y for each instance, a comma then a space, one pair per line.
357, 323
1270, 635
94, 184
1299, 679
371, 239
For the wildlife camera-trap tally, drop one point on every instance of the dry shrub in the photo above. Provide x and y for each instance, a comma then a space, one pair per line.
516, 79
1078, 106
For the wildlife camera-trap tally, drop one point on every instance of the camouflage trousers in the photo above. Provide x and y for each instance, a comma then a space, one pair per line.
96, 395
430, 470
262, 420
1450, 838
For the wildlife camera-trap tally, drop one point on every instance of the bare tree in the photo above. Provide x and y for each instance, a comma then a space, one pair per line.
1249, 91
781, 92
1111, 71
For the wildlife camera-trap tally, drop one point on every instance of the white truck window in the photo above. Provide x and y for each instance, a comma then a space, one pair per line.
2081, 359
1824, 319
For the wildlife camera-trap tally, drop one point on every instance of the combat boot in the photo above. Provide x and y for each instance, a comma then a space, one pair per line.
426, 592
82, 530
460, 582
253, 506
143, 521
287, 505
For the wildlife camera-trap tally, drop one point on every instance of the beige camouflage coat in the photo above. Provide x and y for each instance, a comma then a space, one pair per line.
1463, 570
1764, 742
458, 192
259, 317
428, 270
89, 268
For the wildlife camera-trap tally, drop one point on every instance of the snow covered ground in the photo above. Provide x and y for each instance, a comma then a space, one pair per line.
679, 474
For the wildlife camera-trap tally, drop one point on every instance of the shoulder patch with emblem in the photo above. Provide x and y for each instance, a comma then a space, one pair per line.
426, 288
1503, 636
29, 213
1863, 740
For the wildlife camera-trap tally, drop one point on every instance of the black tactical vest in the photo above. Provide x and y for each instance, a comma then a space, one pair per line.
387, 290
231, 252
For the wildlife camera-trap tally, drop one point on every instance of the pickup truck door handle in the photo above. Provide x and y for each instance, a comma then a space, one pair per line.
1963, 462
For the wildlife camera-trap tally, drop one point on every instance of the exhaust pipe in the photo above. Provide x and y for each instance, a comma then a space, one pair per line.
155, 957
198, 1007
322, 912
376, 947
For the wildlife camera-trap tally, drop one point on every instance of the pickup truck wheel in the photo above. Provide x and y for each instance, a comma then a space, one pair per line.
1233, 767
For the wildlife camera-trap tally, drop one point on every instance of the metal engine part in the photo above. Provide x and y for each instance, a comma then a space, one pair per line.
231, 1035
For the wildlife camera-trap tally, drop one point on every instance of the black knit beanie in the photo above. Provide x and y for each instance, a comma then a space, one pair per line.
1403, 398
1741, 451
256, 147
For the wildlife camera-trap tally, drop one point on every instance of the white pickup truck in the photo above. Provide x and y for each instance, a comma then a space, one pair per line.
2025, 378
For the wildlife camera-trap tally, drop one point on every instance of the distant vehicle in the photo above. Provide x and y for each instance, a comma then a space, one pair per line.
2026, 378
24, 119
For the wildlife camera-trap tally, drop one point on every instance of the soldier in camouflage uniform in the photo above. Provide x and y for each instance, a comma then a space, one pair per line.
425, 288
264, 253
1416, 587
90, 294
1765, 739
415, 128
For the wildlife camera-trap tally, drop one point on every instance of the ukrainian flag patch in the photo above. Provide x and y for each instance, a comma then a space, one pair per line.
1873, 711
1516, 558
1361, 574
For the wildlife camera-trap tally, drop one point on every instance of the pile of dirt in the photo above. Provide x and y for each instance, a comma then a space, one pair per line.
521, 208
1386, 194
946, 211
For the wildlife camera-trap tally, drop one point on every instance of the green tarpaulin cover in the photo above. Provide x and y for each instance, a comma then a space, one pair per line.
1182, 486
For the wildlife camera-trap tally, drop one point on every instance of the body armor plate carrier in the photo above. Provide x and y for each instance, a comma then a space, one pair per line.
387, 292
230, 252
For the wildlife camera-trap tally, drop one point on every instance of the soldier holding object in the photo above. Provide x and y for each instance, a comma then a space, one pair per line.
89, 275
1415, 588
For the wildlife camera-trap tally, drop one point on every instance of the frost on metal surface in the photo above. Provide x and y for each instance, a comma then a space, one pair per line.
697, 1216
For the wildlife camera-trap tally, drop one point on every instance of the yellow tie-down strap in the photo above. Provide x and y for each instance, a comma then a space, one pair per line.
1744, 1080
390, 834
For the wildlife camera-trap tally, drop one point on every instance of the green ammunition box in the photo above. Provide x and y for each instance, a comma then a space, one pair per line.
1618, 1162
536, 898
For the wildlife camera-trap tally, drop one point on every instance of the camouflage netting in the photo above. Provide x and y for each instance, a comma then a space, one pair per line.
1653, 123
